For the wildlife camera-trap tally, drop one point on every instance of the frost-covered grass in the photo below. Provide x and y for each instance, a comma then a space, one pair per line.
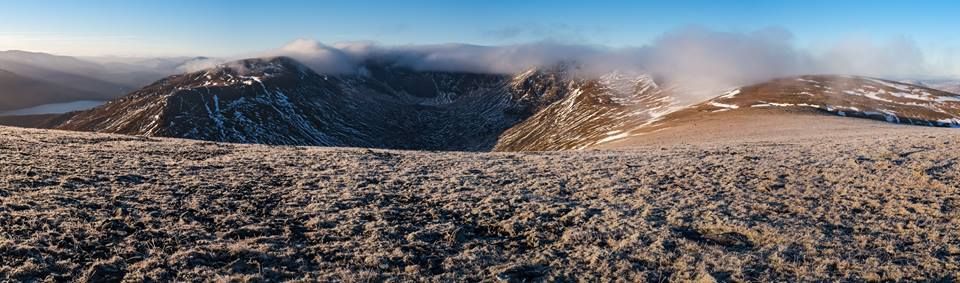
100, 207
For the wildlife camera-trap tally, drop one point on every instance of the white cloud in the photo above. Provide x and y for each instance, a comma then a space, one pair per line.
692, 55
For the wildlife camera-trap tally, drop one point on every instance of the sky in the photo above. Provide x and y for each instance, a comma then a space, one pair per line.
226, 28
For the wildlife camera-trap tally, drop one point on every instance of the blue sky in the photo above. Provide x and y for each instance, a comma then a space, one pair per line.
223, 28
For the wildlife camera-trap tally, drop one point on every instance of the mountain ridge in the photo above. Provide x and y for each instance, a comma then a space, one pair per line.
280, 101
382, 106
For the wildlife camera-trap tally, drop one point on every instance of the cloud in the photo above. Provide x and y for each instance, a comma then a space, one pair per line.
898, 58
197, 65
325, 58
716, 59
693, 55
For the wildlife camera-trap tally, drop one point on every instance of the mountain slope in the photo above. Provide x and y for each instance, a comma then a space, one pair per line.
588, 112
804, 98
279, 101
850, 96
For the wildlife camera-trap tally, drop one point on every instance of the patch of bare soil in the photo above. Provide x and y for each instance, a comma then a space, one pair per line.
880, 206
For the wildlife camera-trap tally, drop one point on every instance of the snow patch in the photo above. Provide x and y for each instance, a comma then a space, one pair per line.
721, 105
730, 94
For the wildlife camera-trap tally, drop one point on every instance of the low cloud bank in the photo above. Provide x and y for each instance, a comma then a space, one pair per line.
703, 56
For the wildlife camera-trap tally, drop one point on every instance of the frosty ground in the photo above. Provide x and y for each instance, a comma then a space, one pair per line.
874, 206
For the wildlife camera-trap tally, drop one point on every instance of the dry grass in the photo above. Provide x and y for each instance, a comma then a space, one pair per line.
102, 207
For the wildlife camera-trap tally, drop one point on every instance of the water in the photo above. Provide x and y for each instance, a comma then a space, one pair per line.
55, 108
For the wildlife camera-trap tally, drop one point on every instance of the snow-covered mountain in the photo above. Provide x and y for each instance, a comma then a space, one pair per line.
589, 112
280, 101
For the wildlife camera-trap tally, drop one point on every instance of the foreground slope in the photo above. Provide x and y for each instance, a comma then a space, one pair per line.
879, 205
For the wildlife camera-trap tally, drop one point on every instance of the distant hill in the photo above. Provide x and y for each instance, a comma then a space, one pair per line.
948, 85
32, 79
18, 92
850, 96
